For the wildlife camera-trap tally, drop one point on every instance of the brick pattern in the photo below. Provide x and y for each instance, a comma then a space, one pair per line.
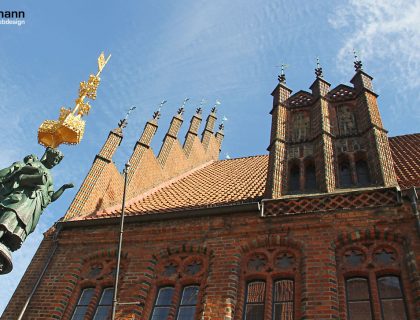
90, 185
227, 241
332, 202
192, 132
171, 137
328, 139
277, 149
208, 130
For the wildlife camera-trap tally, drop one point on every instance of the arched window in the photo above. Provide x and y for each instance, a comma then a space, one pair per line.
163, 303
269, 291
255, 300
391, 298
372, 277
344, 173
346, 121
358, 299
294, 178
283, 299
179, 284
310, 177
362, 171
101, 311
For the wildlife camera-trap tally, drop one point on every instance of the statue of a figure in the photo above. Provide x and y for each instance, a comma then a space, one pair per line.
26, 189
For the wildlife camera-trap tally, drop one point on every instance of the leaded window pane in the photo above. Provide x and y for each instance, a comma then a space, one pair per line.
358, 299
186, 313
165, 296
294, 184
392, 300
254, 302
345, 175
160, 313
359, 310
362, 172
162, 304
283, 299
283, 311
84, 300
103, 310
189, 295
254, 312
188, 302
310, 178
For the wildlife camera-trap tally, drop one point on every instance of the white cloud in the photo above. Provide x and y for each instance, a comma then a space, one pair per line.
386, 32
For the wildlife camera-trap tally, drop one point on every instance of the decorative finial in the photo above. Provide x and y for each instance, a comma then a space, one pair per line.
358, 66
181, 109
156, 114
221, 126
199, 110
69, 128
123, 122
318, 69
282, 75
217, 103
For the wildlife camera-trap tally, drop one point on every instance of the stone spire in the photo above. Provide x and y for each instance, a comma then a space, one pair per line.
210, 122
193, 130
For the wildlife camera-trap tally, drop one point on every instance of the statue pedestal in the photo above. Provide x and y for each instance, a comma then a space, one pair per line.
5, 260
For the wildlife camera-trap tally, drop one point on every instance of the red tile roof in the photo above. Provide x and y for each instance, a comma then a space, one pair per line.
406, 153
242, 180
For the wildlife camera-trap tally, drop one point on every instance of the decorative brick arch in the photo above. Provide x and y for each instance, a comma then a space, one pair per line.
260, 258
364, 246
96, 271
177, 266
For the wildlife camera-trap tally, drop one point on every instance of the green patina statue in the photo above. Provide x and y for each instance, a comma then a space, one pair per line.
26, 189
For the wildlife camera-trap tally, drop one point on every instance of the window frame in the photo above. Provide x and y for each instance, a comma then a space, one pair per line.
403, 296
157, 296
277, 279
365, 277
246, 296
179, 305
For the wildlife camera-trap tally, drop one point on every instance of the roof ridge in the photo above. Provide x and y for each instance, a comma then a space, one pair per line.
153, 190
244, 157
405, 135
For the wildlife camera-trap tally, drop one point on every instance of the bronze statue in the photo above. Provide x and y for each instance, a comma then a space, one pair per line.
26, 189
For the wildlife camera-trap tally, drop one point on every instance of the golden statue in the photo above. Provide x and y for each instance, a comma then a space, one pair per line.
69, 127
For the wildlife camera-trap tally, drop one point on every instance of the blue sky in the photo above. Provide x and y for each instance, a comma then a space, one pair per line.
219, 49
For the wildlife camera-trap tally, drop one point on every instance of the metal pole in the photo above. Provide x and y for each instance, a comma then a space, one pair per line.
114, 301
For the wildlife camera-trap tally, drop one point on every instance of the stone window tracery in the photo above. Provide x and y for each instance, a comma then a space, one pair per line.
372, 278
269, 289
92, 297
179, 286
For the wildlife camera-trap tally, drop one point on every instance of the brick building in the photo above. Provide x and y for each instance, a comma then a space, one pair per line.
325, 226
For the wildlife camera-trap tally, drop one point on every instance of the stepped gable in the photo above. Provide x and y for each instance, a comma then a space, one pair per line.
242, 180
103, 185
406, 154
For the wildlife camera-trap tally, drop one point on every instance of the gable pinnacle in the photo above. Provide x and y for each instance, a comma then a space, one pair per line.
318, 69
181, 109
123, 122
282, 75
358, 65
217, 103
156, 114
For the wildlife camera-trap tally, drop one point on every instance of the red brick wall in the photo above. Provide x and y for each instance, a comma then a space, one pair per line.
222, 245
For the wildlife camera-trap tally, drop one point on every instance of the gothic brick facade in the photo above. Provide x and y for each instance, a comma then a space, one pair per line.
325, 226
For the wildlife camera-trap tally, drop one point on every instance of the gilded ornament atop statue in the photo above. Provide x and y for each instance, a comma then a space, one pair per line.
70, 126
